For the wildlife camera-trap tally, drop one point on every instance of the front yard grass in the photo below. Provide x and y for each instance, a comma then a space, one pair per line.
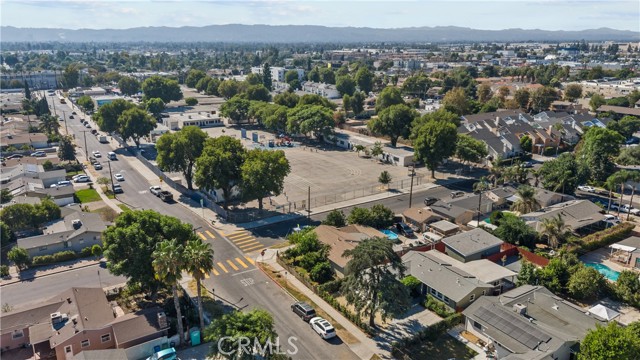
87, 195
124, 207
445, 347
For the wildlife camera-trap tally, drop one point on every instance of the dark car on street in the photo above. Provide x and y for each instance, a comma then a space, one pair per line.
304, 310
428, 201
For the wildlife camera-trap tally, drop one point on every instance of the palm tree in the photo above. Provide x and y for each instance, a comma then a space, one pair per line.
634, 177
479, 187
621, 177
198, 258
555, 230
526, 202
168, 261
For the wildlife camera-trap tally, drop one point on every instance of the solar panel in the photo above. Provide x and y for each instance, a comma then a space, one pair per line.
512, 325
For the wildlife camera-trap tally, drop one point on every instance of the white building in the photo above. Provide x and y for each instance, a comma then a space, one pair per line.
277, 73
325, 90
203, 119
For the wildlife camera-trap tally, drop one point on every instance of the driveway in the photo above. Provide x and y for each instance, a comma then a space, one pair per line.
416, 319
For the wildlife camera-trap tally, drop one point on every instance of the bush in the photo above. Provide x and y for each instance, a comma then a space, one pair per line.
412, 283
191, 101
549, 151
55, 258
86, 252
321, 272
437, 307
332, 287
4, 270
605, 237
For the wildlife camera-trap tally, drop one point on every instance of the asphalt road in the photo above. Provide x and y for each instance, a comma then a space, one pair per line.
235, 276
43, 288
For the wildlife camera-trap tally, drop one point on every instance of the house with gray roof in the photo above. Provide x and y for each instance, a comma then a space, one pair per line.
444, 281
581, 216
529, 322
451, 212
471, 245
75, 231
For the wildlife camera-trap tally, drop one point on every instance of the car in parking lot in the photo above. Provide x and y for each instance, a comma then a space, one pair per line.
81, 179
96, 154
455, 194
39, 154
322, 327
587, 188
119, 177
304, 310
404, 229
428, 201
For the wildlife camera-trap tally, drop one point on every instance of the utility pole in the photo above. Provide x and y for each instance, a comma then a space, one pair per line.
309, 202
111, 179
412, 173
84, 133
64, 118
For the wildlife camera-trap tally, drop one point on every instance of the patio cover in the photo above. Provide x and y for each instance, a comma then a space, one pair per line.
623, 247
604, 312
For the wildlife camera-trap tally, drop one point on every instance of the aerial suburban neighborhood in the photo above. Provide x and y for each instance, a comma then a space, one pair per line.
309, 192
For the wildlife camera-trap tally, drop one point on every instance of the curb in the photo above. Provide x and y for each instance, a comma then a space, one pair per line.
46, 274
277, 283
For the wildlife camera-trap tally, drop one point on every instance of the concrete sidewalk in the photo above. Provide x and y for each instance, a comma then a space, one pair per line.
365, 348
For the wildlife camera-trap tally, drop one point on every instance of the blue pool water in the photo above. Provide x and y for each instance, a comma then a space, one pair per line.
605, 270
390, 234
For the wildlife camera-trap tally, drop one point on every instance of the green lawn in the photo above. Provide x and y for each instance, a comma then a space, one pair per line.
87, 195
444, 348
124, 207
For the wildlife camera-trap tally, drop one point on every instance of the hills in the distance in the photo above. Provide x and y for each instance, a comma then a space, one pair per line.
306, 34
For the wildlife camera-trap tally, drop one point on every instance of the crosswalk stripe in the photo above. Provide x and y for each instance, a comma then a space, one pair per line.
250, 260
256, 247
206, 276
245, 241
202, 236
222, 267
232, 265
241, 263
239, 233
215, 272
248, 245
245, 236
210, 234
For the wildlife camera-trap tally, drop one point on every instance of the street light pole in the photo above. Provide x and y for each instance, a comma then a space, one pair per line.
412, 173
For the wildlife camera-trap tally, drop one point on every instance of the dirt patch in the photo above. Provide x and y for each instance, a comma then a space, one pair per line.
106, 213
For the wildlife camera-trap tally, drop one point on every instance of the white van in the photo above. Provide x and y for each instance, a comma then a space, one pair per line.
111, 155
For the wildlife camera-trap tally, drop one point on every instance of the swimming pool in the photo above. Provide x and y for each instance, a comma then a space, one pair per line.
604, 270
390, 234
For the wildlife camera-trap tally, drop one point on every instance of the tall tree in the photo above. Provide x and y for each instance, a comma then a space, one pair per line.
433, 142
155, 106
521, 96
554, 230
236, 108
228, 88
159, 87
86, 103
267, 81
70, 76
484, 93
220, 166
129, 244
626, 126
572, 92
563, 174
258, 93
394, 121
66, 149
345, 85
610, 342
542, 98
456, 101
388, 96
129, 85
168, 263
469, 149
135, 123
370, 281
179, 151
310, 119
597, 149
364, 79
596, 101
198, 258
585, 283
27, 92
193, 76
263, 173
287, 98
527, 201
234, 328
107, 115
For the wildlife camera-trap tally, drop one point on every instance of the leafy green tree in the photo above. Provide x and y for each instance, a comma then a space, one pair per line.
191, 101
528, 274
179, 151
310, 119
47, 165
542, 98
394, 121
253, 79
233, 328
263, 173
158, 87
267, 81
345, 85
322, 272
20, 257
198, 258
572, 92
134, 124
155, 106
220, 165
433, 141
27, 92
96, 250
168, 263
236, 108
259, 93
626, 126
521, 96
514, 230
629, 156
357, 102
360, 216
335, 218
469, 149
129, 244
527, 201
596, 101
364, 79
456, 101
384, 178
585, 283
5, 196
609, 342
7, 236
376, 149
49, 124
70, 76
597, 149
627, 287
213, 87
27, 216
129, 85
85, 103
388, 96
287, 98
380, 216
107, 115
327, 75
484, 93
526, 144
314, 99
563, 173
290, 76
193, 76
370, 283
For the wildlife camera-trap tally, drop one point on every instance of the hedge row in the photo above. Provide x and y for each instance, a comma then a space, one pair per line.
604, 238
354, 318
428, 334
61, 256
437, 307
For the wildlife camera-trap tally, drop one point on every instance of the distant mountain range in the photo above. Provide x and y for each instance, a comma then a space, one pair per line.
306, 34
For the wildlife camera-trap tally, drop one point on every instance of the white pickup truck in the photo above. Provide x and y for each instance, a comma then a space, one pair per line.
155, 190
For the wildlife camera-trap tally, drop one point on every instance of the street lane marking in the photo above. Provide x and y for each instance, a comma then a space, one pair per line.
222, 267
210, 234
202, 236
244, 272
247, 281
258, 246
241, 263
250, 260
215, 272
233, 266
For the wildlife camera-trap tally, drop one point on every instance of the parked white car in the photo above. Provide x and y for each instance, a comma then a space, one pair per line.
96, 154
155, 190
119, 177
611, 219
629, 209
81, 179
587, 188
322, 328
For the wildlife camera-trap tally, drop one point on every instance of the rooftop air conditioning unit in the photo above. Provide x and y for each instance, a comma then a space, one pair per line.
520, 309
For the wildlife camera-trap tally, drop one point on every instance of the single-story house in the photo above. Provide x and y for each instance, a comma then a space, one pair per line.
75, 232
471, 245
473, 202
580, 216
420, 217
619, 110
453, 213
504, 197
529, 322
75, 320
444, 228
34, 140
341, 239
60, 195
442, 280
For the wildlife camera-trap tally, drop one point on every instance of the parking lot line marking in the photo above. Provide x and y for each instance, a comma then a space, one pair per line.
210, 234
215, 272
233, 266
250, 260
241, 263
222, 267
247, 245
202, 236
245, 241
258, 246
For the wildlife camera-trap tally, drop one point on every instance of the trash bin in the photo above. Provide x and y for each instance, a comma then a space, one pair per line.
195, 337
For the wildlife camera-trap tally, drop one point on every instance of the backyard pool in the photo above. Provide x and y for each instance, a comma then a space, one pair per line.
605, 270
390, 235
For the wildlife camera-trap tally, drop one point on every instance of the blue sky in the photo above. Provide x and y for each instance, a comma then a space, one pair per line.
490, 15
